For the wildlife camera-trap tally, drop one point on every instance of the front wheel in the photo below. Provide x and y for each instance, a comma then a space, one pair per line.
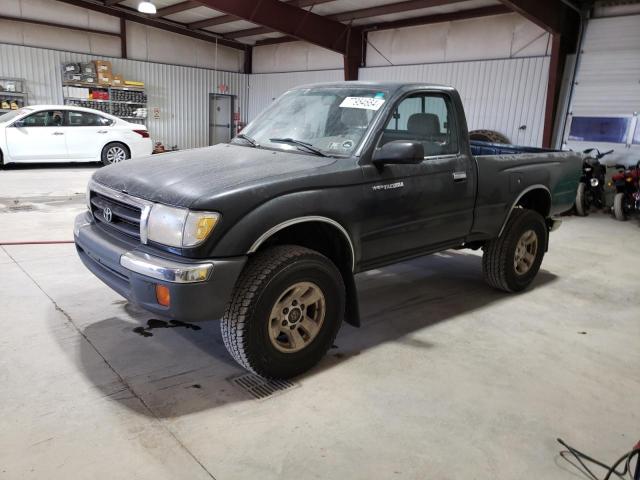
114, 152
511, 262
285, 312
619, 209
581, 200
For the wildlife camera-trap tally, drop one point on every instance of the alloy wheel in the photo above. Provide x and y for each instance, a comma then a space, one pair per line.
525, 254
297, 317
116, 154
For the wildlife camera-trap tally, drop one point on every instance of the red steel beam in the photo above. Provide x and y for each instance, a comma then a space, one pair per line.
414, 21
554, 16
556, 69
58, 25
210, 22
163, 24
177, 8
123, 37
289, 20
388, 9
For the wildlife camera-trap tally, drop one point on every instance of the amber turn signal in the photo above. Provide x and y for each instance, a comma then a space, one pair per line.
163, 296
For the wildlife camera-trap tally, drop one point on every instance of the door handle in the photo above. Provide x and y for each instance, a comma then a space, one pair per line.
459, 176
58, 133
102, 131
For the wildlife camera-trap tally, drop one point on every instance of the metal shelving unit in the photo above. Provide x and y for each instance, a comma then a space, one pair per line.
15, 94
112, 105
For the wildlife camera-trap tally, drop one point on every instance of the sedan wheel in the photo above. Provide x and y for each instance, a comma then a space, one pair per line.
116, 154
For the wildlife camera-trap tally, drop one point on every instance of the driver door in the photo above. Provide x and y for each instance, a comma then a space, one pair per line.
414, 209
39, 137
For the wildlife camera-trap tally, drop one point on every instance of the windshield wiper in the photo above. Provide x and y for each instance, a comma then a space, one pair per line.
299, 143
251, 141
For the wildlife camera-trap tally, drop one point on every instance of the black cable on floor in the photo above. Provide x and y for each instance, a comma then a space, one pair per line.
626, 459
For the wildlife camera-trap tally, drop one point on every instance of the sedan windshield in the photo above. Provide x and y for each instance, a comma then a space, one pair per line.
323, 120
7, 117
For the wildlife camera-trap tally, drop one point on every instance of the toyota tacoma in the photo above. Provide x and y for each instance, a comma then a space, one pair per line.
267, 232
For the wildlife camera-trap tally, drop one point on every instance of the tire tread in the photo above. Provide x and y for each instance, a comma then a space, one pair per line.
238, 312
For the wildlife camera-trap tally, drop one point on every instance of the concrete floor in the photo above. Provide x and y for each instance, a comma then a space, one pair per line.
446, 379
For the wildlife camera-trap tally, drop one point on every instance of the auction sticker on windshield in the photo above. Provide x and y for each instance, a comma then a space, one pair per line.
367, 103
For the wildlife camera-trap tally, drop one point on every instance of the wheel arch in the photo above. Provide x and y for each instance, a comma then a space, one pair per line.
536, 198
122, 142
325, 236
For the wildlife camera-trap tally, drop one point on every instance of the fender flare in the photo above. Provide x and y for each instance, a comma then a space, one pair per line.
518, 198
310, 218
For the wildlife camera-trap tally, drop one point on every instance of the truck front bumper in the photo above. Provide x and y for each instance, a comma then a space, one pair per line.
199, 289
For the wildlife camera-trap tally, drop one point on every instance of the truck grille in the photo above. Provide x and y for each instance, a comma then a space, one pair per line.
116, 214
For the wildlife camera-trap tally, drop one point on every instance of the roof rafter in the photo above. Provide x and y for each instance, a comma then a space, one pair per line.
220, 20
133, 16
288, 19
178, 7
387, 9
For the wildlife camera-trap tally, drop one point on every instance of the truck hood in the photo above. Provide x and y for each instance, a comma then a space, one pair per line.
185, 177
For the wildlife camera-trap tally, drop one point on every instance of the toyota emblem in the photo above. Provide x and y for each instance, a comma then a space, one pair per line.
107, 214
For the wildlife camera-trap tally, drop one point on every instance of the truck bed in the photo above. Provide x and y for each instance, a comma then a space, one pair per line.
505, 172
479, 148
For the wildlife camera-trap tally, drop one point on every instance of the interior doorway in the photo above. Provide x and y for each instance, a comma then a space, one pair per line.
220, 118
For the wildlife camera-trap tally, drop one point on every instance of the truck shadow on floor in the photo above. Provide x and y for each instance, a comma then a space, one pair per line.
181, 369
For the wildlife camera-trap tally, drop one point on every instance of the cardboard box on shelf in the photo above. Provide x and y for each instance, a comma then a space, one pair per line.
117, 81
103, 66
133, 83
88, 79
105, 79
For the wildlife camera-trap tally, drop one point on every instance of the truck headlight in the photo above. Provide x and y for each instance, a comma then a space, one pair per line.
179, 227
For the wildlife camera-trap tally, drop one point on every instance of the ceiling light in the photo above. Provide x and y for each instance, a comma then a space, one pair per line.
147, 7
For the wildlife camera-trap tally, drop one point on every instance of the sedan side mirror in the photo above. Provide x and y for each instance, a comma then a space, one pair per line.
18, 123
399, 152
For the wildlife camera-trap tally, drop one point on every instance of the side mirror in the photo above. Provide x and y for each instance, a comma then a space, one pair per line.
399, 152
18, 123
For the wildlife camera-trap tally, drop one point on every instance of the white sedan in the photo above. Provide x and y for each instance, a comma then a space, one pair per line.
55, 133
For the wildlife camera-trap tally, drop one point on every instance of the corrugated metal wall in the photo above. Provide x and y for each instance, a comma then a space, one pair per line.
266, 87
502, 95
181, 93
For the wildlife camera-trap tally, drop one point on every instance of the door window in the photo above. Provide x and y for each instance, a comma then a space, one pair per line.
86, 119
47, 118
426, 118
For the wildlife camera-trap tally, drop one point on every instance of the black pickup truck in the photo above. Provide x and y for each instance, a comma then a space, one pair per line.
331, 180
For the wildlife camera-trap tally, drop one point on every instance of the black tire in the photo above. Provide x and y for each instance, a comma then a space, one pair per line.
618, 207
111, 148
490, 136
499, 255
245, 324
1, 160
582, 208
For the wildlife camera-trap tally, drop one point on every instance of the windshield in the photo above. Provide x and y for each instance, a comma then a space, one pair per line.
7, 117
329, 119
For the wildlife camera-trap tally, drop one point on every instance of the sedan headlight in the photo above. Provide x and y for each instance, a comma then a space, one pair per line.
179, 227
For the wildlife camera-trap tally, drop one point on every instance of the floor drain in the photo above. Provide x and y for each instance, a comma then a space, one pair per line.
261, 388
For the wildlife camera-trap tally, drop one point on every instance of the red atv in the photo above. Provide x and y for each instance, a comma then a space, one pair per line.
626, 183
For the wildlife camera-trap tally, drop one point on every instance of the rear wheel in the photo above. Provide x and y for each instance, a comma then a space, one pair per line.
619, 207
511, 262
581, 201
285, 312
115, 152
